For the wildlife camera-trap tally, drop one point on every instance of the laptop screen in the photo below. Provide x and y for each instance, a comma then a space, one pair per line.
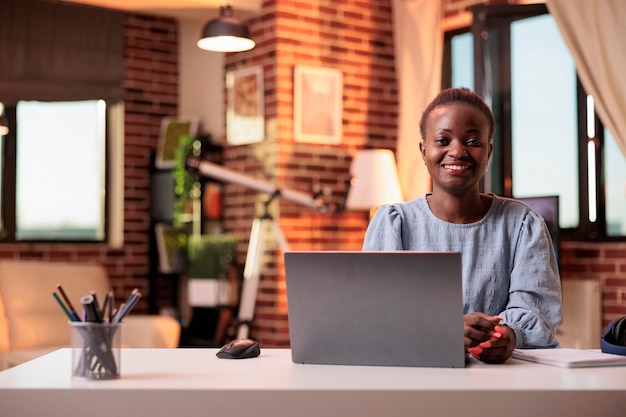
375, 308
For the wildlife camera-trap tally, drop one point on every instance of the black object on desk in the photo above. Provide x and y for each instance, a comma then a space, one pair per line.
239, 349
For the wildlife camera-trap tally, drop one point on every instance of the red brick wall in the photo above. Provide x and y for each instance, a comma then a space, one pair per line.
355, 38
151, 94
604, 262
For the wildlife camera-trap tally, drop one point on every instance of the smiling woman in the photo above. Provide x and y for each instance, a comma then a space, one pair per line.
510, 276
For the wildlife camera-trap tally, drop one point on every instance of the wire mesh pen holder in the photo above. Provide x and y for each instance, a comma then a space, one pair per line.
96, 350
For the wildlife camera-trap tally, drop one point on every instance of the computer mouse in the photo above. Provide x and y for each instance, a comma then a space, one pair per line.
239, 349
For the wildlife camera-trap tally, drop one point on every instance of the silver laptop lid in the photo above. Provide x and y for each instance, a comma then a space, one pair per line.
375, 308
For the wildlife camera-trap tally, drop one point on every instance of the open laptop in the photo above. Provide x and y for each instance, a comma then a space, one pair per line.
375, 308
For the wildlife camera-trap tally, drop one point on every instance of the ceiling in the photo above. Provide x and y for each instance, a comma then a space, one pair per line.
185, 9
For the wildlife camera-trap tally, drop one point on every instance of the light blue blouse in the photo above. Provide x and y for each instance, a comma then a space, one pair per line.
508, 261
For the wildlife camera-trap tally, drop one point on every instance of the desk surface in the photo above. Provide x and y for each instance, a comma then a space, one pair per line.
194, 382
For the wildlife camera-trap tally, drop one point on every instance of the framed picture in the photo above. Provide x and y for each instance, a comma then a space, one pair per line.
171, 130
172, 248
245, 113
318, 105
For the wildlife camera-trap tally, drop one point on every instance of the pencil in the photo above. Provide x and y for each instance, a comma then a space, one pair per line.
69, 303
65, 310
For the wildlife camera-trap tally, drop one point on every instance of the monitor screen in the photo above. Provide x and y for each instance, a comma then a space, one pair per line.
548, 208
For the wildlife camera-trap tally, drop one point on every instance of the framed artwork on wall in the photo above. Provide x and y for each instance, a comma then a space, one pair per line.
171, 247
318, 104
172, 128
245, 113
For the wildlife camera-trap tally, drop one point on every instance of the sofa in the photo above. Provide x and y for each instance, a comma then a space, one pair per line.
32, 323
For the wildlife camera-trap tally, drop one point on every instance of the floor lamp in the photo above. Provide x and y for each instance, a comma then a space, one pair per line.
262, 225
374, 180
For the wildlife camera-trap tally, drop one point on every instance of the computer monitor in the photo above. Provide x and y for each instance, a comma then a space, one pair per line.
548, 208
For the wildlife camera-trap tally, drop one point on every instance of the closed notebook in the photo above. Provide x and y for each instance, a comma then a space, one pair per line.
569, 358
375, 308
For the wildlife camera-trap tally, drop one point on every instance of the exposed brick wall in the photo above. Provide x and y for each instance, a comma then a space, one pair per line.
151, 94
604, 262
357, 39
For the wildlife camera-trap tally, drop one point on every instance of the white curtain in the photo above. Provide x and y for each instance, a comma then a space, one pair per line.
419, 52
595, 34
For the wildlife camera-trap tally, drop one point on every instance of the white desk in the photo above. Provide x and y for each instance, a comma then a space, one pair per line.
193, 382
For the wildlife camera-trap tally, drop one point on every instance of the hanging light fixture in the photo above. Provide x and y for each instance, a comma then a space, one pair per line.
226, 34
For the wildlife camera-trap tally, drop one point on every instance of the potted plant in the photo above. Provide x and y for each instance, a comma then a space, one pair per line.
211, 259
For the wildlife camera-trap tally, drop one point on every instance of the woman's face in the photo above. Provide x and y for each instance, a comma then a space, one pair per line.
456, 148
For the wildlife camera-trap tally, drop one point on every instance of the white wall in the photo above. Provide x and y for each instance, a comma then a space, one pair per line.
201, 80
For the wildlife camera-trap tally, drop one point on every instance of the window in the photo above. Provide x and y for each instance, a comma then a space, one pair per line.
459, 52
54, 169
62, 165
548, 139
544, 116
614, 186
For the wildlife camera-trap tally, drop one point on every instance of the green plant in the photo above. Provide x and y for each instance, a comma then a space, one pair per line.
211, 256
186, 181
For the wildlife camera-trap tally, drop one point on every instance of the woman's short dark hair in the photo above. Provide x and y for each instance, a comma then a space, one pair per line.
460, 96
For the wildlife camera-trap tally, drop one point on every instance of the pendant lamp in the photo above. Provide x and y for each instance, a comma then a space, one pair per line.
226, 34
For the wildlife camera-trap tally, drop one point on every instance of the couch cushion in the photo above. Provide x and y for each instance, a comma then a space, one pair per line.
10, 359
34, 317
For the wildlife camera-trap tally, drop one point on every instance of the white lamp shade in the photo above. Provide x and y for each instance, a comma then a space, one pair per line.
374, 180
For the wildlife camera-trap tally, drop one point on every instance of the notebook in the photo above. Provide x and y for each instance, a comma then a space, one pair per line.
400, 308
569, 357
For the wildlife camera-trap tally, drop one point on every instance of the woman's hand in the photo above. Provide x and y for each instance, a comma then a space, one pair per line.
486, 340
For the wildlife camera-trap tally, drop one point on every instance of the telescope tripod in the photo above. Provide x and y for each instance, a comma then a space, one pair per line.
261, 226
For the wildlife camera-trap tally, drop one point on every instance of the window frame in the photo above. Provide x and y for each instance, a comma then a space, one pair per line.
8, 220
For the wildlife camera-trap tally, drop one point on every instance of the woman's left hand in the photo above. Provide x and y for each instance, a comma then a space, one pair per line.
498, 348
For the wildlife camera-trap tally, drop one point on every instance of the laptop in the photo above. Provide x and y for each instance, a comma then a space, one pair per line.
400, 308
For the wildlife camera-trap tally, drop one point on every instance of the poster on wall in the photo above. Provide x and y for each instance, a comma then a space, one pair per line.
172, 128
318, 106
245, 114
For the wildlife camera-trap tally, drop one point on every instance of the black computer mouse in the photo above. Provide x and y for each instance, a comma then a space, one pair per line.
239, 349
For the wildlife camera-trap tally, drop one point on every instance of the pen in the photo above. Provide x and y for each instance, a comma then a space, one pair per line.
125, 308
111, 305
96, 304
105, 303
91, 309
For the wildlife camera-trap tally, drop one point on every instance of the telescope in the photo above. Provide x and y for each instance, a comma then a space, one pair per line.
258, 233
210, 169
